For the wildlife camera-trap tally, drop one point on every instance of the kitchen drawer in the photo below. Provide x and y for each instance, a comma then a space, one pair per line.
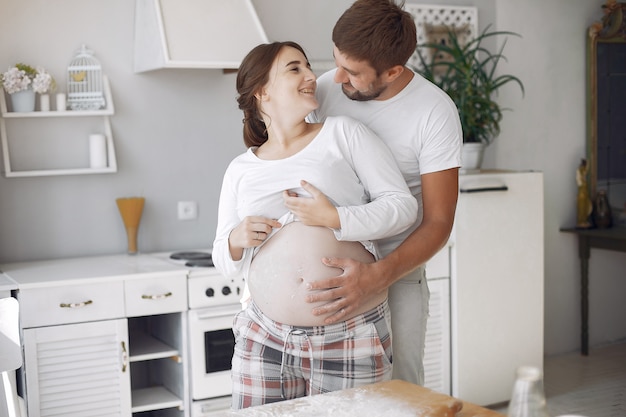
439, 265
156, 295
66, 304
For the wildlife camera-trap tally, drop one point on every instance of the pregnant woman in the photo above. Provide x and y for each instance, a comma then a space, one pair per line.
282, 350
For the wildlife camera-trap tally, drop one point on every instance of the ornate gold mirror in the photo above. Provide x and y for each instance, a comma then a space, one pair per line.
606, 72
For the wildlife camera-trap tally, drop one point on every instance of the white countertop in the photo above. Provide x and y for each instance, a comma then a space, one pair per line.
92, 269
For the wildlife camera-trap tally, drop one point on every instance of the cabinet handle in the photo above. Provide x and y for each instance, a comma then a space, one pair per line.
75, 305
156, 297
124, 357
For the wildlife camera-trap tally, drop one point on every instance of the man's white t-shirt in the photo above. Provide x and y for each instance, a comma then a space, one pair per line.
420, 125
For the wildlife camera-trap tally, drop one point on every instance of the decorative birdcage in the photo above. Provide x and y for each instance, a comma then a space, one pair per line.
84, 82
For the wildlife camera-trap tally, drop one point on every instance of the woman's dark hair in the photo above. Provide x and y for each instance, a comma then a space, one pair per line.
252, 76
377, 31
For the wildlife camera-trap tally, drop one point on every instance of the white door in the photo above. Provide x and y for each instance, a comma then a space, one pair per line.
78, 370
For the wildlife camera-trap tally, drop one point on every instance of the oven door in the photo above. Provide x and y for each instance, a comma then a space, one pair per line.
211, 345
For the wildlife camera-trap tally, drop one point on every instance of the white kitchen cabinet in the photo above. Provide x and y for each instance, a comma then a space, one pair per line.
116, 325
77, 370
497, 283
22, 120
491, 320
157, 343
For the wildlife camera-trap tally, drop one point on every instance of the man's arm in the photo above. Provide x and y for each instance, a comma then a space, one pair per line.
360, 281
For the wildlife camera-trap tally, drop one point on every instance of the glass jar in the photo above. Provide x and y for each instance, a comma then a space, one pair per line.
528, 399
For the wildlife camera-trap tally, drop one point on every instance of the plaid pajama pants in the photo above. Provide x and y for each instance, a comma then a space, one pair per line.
274, 362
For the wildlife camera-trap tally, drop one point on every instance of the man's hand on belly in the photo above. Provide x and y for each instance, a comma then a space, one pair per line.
345, 293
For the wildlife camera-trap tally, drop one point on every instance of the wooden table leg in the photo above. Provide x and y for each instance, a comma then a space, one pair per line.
583, 254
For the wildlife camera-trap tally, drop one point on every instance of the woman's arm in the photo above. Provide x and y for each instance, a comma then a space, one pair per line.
227, 220
234, 236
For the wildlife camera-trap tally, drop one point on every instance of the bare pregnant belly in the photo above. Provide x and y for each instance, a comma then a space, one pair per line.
288, 261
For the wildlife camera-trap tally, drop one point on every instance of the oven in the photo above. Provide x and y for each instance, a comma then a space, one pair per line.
211, 345
213, 302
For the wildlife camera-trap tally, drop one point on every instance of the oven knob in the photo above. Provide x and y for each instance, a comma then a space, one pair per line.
226, 290
210, 292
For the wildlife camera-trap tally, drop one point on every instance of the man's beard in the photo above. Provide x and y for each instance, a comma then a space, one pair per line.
361, 96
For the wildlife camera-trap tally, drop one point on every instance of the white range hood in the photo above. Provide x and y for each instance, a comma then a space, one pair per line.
194, 33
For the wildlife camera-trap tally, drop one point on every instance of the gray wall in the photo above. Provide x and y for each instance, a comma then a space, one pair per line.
176, 130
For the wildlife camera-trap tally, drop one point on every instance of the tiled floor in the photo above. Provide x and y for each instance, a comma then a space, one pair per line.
591, 386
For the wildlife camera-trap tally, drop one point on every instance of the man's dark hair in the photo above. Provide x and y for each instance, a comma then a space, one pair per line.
380, 32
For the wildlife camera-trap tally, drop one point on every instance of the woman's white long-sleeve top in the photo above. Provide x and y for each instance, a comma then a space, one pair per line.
346, 161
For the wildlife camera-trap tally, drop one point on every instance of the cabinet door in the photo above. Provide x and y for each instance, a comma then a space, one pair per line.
78, 370
437, 343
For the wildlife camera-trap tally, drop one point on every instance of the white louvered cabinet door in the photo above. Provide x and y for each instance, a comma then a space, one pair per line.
437, 344
78, 370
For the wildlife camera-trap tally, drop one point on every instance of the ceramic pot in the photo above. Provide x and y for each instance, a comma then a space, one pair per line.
472, 155
23, 101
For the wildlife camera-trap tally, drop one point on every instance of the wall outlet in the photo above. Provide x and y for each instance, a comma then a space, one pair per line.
187, 210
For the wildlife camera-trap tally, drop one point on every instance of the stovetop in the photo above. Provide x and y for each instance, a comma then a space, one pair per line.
196, 261
193, 259
206, 286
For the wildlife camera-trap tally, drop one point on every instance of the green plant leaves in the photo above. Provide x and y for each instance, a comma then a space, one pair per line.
468, 75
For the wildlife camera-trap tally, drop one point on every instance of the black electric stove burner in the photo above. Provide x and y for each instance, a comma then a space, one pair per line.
200, 263
194, 259
188, 256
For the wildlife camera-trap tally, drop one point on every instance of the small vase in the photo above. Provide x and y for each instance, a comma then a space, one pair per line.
472, 156
23, 101
131, 209
602, 211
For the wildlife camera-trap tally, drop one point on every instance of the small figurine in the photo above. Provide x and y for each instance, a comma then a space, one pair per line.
584, 206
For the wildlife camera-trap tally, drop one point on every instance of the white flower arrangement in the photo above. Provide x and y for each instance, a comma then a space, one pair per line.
21, 76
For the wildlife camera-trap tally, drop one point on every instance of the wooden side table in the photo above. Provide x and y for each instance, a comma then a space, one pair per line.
611, 239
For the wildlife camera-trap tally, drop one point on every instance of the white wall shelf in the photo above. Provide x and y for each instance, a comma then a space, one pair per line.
8, 116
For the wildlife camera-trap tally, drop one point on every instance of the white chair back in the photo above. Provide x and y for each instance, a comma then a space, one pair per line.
10, 356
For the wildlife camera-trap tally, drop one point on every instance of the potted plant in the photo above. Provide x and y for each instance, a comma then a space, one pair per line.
22, 81
467, 72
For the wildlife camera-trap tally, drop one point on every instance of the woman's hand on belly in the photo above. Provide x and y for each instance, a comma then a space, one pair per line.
250, 233
281, 270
